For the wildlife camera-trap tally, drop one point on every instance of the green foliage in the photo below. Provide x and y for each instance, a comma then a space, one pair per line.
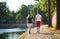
33, 12
23, 12
19, 16
37, 4
53, 6
43, 5
11, 16
3, 9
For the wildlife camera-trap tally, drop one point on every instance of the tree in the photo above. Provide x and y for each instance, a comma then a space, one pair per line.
58, 14
3, 10
53, 6
49, 14
18, 16
12, 15
33, 12
24, 11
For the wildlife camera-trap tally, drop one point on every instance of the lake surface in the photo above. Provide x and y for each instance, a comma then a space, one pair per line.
12, 33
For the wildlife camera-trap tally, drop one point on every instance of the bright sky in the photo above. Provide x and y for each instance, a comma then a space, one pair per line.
15, 4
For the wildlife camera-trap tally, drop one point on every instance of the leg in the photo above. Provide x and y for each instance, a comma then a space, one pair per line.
38, 26
30, 29
38, 29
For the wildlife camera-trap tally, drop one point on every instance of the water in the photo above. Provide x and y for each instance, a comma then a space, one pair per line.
13, 33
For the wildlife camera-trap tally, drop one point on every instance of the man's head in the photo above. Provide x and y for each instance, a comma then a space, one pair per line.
38, 12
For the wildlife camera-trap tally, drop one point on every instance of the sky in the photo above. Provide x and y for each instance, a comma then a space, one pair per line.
16, 4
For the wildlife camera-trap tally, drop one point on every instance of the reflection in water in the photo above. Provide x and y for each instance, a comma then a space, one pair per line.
11, 33
12, 36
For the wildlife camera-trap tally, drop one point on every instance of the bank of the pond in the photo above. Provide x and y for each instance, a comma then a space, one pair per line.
22, 36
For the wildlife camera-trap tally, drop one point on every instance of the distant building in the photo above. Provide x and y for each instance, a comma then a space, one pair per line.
30, 6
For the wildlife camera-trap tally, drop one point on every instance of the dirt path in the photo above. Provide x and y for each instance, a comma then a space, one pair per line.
44, 34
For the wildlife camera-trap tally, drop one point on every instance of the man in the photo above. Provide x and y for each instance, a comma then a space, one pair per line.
38, 21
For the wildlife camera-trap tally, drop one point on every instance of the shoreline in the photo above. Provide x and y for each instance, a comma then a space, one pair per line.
22, 35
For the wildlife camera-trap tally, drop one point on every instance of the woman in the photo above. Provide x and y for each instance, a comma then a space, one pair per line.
29, 23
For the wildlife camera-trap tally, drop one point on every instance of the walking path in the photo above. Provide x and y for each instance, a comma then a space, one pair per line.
45, 33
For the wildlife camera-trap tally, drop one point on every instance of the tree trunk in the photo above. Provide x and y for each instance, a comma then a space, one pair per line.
58, 14
49, 15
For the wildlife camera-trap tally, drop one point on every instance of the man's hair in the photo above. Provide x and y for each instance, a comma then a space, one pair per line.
38, 11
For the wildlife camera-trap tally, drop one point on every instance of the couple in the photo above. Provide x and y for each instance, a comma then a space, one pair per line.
38, 21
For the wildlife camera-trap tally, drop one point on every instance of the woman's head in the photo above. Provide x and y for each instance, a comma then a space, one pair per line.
29, 15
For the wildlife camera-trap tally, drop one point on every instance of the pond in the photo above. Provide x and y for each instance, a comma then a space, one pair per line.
13, 33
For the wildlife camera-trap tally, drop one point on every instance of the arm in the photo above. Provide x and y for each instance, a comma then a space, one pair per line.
41, 19
27, 19
32, 20
35, 21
